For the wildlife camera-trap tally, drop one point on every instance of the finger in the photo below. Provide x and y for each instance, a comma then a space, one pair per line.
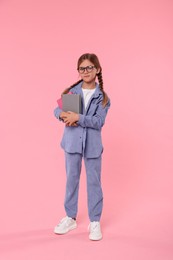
70, 124
70, 112
65, 114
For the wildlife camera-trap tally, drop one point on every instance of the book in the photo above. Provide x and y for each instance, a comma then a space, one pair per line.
71, 103
59, 101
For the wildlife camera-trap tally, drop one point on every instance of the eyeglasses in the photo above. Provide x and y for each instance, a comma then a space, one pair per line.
87, 68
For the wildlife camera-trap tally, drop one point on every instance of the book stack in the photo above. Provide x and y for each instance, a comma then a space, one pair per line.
70, 102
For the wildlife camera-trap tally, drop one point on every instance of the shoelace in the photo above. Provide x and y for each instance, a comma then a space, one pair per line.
92, 226
64, 220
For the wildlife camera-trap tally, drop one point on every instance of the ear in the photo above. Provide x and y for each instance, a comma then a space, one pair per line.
98, 71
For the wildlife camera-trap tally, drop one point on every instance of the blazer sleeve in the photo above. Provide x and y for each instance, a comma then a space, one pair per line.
97, 120
57, 112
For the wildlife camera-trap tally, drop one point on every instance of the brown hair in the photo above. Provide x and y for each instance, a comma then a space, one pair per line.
94, 59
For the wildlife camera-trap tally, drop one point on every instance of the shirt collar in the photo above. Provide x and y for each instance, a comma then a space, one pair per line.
97, 92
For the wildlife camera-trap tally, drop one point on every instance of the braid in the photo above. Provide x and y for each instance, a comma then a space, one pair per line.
105, 97
68, 89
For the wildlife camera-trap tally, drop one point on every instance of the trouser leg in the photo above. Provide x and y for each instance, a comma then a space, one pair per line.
94, 189
73, 170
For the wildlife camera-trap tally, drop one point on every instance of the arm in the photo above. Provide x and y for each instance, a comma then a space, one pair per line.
57, 112
69, 118
97, 120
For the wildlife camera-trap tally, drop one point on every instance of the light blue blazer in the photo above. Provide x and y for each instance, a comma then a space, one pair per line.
86, 137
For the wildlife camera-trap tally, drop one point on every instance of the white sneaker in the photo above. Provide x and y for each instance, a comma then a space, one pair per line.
65, 225
95, 231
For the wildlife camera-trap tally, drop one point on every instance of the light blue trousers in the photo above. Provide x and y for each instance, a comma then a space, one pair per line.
94, 190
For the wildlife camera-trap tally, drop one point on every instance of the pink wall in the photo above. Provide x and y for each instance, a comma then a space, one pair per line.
40, 42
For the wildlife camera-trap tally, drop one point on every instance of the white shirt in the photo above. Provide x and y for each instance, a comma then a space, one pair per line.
87, 94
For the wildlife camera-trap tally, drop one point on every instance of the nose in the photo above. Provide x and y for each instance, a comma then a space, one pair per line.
85, 70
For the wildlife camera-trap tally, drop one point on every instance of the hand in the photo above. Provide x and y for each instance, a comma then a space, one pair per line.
63, 115
74, 124
69, 118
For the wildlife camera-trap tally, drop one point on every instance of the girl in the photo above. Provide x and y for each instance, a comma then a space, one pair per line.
82, 138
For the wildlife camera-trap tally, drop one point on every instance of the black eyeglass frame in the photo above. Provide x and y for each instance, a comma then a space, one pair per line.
81, 70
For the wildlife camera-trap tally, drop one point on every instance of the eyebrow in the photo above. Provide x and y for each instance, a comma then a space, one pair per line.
86, 66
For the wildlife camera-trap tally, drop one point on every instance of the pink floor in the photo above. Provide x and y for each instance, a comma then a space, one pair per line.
43, 244
135, 229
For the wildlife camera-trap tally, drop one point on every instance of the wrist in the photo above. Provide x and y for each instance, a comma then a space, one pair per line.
77, 117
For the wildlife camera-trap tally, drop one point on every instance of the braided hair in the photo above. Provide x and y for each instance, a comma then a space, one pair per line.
94, 59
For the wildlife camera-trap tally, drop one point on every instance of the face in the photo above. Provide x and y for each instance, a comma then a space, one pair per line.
88, 75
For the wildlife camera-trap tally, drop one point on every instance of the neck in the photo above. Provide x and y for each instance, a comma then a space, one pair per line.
89, 85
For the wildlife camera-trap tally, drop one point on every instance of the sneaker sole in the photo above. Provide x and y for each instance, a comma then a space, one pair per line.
96, 239
62, 233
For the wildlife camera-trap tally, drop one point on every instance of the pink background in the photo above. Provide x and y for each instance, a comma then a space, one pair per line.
40, 42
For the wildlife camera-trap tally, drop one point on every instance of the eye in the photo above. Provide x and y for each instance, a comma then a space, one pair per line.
81, 69
89, 68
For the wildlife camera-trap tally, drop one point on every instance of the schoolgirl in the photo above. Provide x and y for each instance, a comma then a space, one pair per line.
82, 139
